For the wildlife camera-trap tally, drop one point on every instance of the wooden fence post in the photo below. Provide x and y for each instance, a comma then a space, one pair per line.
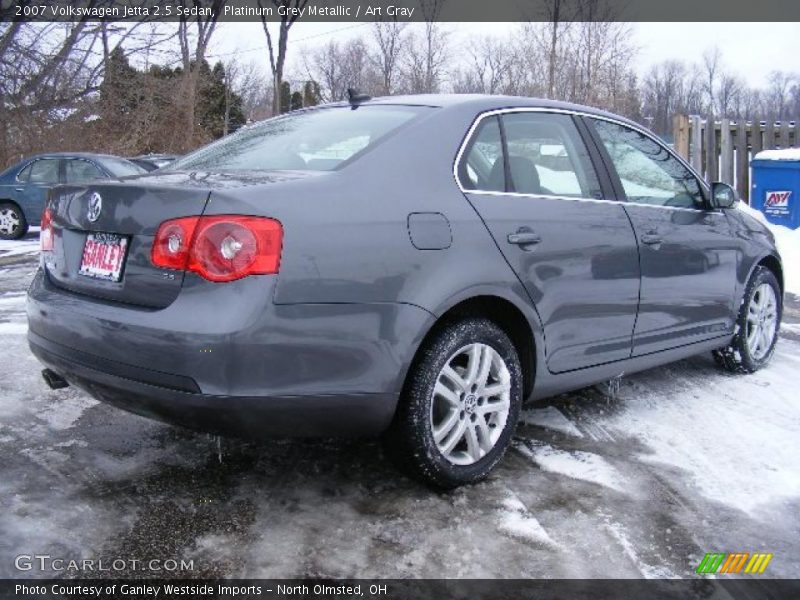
784, 140
769, 134
697, 143
742, 162
711, 150
680, 129
726, 152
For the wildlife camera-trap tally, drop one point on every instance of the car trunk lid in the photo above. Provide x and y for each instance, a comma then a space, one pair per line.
129, 214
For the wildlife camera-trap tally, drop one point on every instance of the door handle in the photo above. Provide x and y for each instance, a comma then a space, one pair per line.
651, 238
20, 189
524, 237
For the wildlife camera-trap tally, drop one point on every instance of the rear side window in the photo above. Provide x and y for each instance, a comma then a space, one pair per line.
44, 171
81, 170
649, 173
547, 156
483, 165
315, 140
544, 152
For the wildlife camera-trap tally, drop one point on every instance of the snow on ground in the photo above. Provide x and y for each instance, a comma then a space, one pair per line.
517, 520
585, 466
27, 245
735, 437
551, 418
788, 242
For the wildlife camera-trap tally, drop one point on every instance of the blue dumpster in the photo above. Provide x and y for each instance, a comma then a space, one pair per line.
776, 186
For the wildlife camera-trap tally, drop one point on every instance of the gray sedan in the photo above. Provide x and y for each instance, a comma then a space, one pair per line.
415, 267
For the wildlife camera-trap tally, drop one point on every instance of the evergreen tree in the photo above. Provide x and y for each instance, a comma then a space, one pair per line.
311, 93
286, 96
297, 101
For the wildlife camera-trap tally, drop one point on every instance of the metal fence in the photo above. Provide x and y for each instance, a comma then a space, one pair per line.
722, 151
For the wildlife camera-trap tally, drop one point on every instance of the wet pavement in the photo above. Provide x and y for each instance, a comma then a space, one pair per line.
636, 482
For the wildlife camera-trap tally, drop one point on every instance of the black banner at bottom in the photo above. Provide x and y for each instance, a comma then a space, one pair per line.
393, 589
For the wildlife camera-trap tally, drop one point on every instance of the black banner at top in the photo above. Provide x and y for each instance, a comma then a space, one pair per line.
404, 10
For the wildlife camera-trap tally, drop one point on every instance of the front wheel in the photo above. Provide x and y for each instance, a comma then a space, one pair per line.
460, 405
756, 327
12, 222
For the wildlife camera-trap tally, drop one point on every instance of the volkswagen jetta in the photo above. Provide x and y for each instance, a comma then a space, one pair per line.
415, 267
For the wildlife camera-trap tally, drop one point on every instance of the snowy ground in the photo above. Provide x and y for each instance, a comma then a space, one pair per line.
685, 460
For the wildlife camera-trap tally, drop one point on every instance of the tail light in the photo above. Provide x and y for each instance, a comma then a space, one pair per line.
46, 231
220, 247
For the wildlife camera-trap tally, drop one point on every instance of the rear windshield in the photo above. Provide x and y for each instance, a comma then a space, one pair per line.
316, 140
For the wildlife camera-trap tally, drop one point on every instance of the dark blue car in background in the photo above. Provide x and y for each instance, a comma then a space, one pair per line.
24, 186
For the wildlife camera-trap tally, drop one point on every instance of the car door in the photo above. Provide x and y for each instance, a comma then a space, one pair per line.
530, 176
33, 184
687, 253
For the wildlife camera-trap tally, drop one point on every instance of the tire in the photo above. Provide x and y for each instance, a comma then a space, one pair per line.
760, 310
13, 224
443, 389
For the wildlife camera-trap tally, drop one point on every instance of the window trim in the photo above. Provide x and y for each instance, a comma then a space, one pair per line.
99, 168
59, 167
27, 166
575, 113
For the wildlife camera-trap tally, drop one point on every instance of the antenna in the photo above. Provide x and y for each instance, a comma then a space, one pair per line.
355, 97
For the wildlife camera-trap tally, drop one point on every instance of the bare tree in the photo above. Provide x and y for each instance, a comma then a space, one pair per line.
729, 93
780, 84
426, 52
490, 69
559, 15
712, 64
277, 55
194, 42
338, 66
388, 38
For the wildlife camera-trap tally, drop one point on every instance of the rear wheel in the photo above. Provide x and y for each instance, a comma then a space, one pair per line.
756, 327
12, 222
460, 405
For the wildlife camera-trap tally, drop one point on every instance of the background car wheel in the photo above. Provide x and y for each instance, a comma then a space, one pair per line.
12, 222
756, 327
459, 406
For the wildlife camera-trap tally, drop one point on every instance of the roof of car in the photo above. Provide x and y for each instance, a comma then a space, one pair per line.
485, 102
72, 155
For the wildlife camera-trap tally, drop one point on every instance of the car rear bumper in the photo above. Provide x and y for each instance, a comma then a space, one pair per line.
224, 358
181, 403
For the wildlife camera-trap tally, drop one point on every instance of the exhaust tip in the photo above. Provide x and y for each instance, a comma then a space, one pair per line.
54, 380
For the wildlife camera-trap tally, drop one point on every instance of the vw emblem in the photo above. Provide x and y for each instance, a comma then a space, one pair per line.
94, 208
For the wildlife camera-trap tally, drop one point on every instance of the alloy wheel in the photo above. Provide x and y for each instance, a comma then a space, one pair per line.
470, 404
762, 321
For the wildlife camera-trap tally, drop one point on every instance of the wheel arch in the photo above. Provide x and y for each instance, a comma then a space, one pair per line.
773, 263
505, 313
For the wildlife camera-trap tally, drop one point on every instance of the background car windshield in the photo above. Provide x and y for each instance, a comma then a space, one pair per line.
316, 140
119, 167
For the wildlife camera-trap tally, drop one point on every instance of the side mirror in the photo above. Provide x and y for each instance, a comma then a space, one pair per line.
723, 195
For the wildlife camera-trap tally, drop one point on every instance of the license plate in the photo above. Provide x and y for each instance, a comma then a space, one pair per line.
103, 256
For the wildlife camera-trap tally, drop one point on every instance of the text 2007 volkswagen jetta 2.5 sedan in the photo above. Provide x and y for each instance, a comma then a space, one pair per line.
413, 266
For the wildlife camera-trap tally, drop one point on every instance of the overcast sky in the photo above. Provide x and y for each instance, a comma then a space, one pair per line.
751, 50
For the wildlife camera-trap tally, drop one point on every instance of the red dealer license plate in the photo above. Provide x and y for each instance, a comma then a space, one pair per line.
103, 256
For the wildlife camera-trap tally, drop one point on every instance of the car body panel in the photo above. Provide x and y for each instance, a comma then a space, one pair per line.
688, 281
585, 286
338, 328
